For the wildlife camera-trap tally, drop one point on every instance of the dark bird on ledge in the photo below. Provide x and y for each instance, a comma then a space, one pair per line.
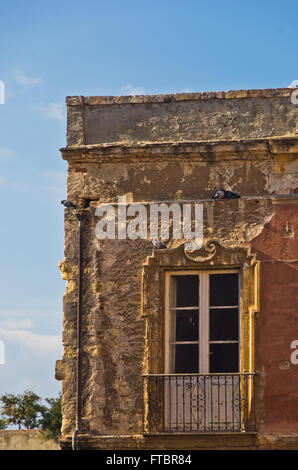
68, 204
224, 194
159, 244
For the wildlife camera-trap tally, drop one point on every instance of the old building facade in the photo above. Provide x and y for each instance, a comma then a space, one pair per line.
181, 347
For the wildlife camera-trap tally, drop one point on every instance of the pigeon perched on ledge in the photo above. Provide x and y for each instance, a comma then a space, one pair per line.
159, 244
66, 203
224, 194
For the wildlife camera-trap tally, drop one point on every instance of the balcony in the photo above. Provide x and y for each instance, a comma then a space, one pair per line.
198, 403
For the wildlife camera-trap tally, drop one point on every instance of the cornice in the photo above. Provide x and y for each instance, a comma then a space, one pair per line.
254, 149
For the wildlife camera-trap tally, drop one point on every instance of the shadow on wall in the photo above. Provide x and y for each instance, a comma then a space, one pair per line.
31, 439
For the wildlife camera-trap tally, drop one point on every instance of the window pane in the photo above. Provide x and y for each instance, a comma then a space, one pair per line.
224, 324
186, 358
187, 327
224, 358
187, 291
223, 289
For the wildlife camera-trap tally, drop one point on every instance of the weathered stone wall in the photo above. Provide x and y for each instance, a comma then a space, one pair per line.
181, 117
113, 330
30, 439
172, 171
277, 248
262, 170
175, 178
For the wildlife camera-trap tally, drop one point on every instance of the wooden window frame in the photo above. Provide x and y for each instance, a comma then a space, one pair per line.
204, 316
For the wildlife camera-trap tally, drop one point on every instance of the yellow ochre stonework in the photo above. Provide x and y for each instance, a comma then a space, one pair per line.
179, 148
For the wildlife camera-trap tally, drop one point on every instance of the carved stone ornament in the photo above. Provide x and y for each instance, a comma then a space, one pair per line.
211, 253
215, 253
209, 248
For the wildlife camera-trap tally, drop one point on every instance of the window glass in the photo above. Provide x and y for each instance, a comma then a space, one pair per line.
224, 324
224, 357
187, 291
187, 325
186, 358
217, 320
223, 290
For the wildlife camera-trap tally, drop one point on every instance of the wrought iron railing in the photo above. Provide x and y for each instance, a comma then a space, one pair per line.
198, 403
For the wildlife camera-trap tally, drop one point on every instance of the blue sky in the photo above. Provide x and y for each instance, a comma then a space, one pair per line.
53, 49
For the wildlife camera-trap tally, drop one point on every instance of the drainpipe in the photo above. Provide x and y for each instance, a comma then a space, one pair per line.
80, 216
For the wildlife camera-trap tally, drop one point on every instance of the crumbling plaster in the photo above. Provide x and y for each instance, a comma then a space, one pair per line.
151, 149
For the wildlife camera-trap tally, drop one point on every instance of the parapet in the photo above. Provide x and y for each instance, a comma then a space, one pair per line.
181, 117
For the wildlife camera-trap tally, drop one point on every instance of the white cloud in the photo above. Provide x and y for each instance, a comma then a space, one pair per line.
32, 311
56, 189
15, 185
130, 90
37, 343
58, 176
22, 79
56, 181
55, 111
30, 353
6, 152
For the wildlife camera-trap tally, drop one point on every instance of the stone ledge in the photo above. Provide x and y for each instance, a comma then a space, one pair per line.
240, 148
164, 442
276, 441
166, 98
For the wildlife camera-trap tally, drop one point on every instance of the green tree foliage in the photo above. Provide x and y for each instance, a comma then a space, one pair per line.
3, 423
26, 411
52, 418
23, 410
